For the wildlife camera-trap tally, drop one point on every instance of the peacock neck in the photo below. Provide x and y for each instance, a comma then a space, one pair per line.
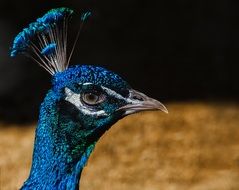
57, 160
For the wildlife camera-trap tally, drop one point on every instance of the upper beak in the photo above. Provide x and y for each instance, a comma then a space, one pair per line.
138, 102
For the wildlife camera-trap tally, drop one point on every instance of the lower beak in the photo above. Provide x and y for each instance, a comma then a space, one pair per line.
138, 102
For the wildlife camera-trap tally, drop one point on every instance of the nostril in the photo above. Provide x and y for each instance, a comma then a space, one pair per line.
137, 97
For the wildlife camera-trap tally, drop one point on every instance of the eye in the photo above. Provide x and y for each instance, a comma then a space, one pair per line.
92, 98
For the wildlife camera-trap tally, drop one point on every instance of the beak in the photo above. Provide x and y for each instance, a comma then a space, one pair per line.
138, 102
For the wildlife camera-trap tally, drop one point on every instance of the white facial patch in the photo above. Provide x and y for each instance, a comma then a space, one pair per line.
75, 99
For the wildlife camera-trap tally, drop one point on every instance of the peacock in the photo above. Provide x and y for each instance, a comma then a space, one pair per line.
83, 103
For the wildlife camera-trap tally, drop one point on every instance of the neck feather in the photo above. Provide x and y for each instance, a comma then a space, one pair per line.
56, 164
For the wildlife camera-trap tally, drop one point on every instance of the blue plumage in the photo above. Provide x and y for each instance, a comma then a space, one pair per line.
43, 24
83, 103
41, 39
55, 15
19, 44
86, 73
49, 49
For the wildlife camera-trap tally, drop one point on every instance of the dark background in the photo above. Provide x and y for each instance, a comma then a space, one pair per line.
177, 50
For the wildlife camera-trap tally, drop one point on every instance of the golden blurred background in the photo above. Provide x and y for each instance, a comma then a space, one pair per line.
194, 147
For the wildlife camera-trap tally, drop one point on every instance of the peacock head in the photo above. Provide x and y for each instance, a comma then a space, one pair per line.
89, 99
95, 98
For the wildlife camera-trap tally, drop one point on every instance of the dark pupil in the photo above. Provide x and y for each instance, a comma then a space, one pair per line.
92, 98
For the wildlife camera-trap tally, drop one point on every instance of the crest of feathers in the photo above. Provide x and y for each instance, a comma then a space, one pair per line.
45, 40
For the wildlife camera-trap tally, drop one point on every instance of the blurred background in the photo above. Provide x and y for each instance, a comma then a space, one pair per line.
184, 53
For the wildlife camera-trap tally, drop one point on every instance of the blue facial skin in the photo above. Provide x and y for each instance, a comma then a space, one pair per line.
65, 136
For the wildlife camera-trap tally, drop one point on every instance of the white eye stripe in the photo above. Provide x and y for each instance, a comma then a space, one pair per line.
75, 99
118, 96
86, 83
111, 93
